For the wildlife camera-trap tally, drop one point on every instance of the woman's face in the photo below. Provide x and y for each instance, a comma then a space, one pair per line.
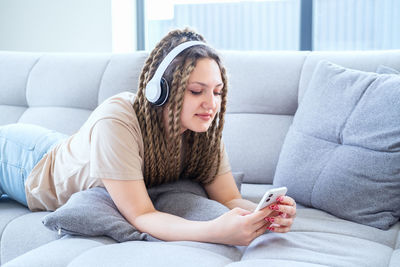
202, 97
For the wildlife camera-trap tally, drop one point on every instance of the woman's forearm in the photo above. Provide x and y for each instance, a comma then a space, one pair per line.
169, 227
241, 203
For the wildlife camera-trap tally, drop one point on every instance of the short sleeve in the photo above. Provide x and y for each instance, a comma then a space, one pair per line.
115, 151
224, 165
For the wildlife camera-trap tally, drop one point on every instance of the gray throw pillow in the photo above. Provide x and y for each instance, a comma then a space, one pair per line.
342, 152
93, 213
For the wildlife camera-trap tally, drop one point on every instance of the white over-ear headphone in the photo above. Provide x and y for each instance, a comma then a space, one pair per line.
157, 89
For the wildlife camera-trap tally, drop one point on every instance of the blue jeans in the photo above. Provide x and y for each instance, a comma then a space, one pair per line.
22, 146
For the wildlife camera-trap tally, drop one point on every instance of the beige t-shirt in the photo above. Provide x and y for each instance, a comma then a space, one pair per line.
108, 145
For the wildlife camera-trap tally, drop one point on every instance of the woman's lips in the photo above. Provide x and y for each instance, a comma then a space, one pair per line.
204, 117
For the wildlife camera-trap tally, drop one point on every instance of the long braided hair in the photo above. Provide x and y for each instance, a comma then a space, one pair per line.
162, 147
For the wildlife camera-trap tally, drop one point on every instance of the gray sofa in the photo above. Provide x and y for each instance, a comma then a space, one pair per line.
59, 91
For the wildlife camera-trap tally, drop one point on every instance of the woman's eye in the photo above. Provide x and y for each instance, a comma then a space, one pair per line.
217, 93
195, 92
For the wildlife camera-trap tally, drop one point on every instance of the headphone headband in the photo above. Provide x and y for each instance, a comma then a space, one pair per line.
154, 89
171, 55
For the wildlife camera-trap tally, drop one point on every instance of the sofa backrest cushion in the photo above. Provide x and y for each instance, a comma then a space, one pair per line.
59, 91
262, 99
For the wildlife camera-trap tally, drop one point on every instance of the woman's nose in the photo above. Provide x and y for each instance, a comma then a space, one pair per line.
210, 101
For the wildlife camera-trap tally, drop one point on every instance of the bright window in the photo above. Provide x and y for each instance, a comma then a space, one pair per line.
277, 24
227, 24
356, 24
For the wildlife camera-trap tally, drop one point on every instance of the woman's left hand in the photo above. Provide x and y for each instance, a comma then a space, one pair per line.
283, 216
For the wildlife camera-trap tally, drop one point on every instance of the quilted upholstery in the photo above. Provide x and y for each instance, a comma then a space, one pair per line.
59, 91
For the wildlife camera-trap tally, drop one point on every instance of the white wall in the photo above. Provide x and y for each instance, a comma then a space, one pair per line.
123, 25
63, 26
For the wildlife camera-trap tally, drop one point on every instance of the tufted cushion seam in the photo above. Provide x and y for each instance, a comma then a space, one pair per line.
200, 248
337, 234
340, 138
27, 79
101, 80
395, 248
319, 175
4, 229
397, 245
360, 147
259, 113
307, 56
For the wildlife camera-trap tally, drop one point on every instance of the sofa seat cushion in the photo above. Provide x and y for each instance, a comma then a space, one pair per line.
324, 240
320, 248
141, 253
58, 253
314, 220
317, 239
9, 211
24, 233
395, 260
273, 263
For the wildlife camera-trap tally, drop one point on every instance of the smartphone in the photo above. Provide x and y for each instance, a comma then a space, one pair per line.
270, 196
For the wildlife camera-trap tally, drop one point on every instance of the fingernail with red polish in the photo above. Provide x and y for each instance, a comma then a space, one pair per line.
279, 199
274, 207
270, 219
271, 228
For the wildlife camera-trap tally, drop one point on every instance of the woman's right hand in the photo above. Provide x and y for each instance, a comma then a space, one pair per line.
240, 227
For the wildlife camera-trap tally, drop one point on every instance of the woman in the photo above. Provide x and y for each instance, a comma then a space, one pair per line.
129, 144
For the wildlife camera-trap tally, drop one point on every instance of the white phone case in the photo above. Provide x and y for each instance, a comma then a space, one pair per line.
270, 196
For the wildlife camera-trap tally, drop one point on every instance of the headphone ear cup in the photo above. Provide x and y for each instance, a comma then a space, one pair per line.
157, 89
164, 92
157, 92
164, 85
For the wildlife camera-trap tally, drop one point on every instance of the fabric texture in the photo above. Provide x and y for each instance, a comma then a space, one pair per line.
382, 69
263, 90
238, 176
150, 254
108, 145
21, 148
93, 213
342, 152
